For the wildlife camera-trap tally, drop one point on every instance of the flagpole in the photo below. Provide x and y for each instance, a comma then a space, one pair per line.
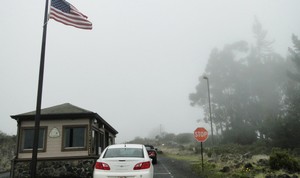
39, 97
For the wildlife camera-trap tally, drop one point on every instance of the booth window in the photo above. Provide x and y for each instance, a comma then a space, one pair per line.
74, 137
27, 136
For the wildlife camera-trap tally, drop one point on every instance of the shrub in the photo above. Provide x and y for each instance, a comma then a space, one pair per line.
242, 134
281, 159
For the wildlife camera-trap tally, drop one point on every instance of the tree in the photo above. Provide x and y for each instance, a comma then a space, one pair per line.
246, 86
295, 58
290, 121
266, 76
224, 70
184, 138
7, 150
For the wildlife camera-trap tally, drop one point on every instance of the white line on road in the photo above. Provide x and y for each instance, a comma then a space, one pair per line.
161, 173
168, 172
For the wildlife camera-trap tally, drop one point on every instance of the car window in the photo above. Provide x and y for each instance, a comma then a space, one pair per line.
148, 147
124, 152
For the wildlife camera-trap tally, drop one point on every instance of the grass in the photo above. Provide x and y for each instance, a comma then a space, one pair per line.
233, 160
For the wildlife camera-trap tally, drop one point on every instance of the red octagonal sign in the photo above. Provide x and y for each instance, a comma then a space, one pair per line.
201, 134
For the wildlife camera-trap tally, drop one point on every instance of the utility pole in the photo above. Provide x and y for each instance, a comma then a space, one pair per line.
211, 127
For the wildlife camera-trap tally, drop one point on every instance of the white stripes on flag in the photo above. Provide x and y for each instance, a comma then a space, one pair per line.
74, 18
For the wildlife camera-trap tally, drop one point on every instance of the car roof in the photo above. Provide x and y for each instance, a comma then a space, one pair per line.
126, 146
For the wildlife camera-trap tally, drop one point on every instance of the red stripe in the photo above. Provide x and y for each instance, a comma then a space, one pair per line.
71, 16
75, 18
79, 21
67, 22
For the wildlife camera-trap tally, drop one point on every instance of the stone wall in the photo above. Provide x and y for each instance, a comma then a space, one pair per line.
76, 168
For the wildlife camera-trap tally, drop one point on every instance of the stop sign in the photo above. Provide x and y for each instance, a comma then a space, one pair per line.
201, 134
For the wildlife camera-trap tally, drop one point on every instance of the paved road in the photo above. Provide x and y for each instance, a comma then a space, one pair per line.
170, 168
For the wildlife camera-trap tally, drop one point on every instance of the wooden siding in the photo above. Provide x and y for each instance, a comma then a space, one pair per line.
54, 145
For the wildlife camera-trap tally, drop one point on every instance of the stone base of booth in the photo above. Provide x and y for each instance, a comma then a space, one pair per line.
74, 168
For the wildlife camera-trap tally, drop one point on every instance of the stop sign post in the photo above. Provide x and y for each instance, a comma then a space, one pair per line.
201, 135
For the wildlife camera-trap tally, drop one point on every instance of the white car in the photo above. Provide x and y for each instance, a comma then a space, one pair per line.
124, 161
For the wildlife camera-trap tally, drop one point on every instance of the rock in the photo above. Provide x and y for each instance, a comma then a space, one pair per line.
263, 162
247, 155
248, 165
238, 165
270, 176
283, 176
225, 169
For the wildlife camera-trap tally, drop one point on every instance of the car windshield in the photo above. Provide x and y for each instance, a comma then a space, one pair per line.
124, 152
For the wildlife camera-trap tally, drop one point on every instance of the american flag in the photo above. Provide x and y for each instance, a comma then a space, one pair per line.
66, 13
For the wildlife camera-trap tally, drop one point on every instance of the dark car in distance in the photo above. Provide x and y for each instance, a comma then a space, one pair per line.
152, 153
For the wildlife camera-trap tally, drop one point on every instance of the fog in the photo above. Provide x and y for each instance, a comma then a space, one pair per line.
139, 63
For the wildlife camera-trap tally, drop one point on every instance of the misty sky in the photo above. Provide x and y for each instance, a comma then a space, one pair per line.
137, 66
